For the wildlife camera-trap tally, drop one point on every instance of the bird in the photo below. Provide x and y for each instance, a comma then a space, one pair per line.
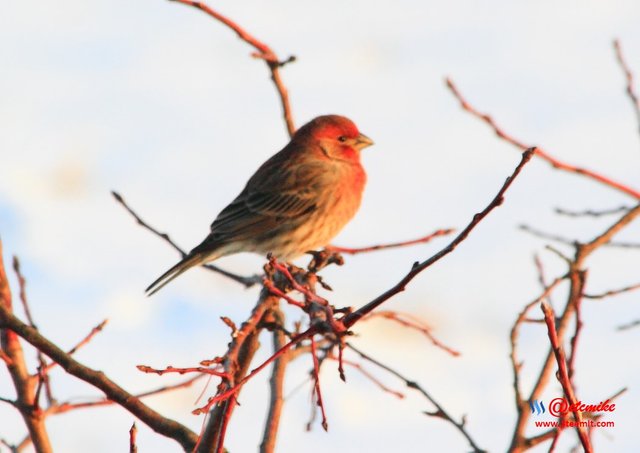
296, 202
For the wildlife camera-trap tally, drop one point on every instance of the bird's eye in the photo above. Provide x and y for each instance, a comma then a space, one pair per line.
342, 138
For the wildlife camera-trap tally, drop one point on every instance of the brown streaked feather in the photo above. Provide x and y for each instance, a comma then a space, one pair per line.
273, 194
297, 200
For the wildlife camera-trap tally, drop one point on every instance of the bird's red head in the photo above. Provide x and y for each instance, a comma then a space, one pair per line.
337, 136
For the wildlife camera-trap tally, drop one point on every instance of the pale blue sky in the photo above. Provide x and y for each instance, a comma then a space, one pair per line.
163, 104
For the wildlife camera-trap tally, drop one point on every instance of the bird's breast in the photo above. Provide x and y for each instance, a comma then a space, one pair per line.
340, 203
338, 198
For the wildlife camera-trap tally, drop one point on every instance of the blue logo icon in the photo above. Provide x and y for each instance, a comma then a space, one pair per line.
537, 407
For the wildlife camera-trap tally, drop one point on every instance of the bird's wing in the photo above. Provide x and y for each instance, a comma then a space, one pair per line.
274, 196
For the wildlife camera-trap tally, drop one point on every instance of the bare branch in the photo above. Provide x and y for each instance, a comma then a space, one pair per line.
246, 281
151, 418
547, 236
613, 292
22, 283
605, 237
69, 406
630, 325
563, 240
422, 240
226, 394
582, 275
133, 432
12, 448
276, 385
316, 383
264, 52
411, 322
42, 375
96, 330
171, 369
5, 358
236, 363
9, 402
369, 376
576, 290
352, 318
549, 317
516, 364
591, 212
629, 78
16, 365
555, 163
440, 412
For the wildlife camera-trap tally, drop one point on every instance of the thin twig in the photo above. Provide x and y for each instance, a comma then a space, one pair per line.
516, 364
24, 385
605, 237
151, 418
264, 52
42, 375
245, 281
541, 275
440, 412
171, 369
222, 396
229, 407
11, 447
629, 325
236, 362
22, 284
555, 163
540, 268
613, 292
548, 236
559, 254
582, 274
316, 384
69, 406
369, 376
418, 267
411, 322
273, 289
422, 240
133, 432
276, 385
5, 358
96, 330
629, 79
519, 441
9, 402
591, 212
563, 240
563, 374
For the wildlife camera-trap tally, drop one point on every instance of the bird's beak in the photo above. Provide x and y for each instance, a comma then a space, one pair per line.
363, 141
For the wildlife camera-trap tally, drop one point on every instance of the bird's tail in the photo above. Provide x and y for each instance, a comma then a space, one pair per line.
192, 259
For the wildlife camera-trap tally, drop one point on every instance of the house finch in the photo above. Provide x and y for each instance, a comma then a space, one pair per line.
297, 201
